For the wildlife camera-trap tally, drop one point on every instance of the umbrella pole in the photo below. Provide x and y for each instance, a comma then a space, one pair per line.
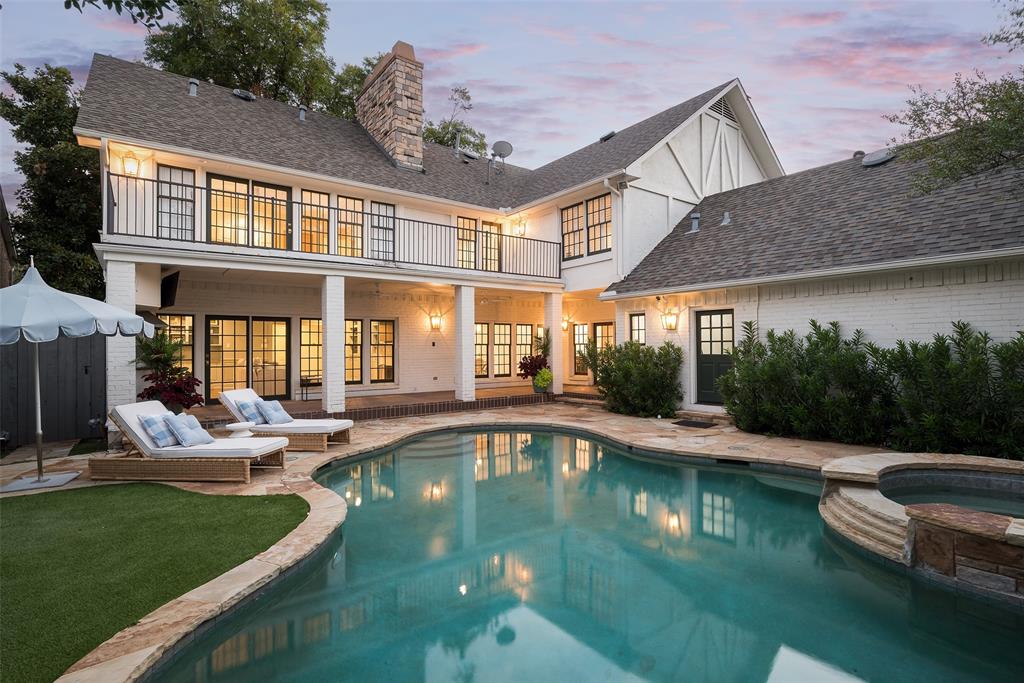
39, 418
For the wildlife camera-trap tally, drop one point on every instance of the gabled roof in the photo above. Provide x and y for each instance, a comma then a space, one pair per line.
600, 159
132, 101
840, 216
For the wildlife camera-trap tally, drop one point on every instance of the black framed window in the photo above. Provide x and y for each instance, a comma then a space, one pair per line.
490, 246
350, 226
271, 217
382, 231
314, 218
175, 202
179, 328
227, 355
271, 356
228, 208
480, 334
502, 349
599, 224
524, 340
465, 238
573, 231
311, 352
580, 337
604, 335
638, 327
354, 352
382, 351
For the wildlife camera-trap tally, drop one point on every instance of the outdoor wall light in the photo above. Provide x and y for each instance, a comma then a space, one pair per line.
435, 321
565, 324
670, 320
519, 226
131, 164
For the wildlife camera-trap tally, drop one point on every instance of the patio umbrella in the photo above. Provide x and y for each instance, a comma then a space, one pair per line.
33, 310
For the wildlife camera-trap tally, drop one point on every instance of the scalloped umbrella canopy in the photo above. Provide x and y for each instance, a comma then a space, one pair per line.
36, 311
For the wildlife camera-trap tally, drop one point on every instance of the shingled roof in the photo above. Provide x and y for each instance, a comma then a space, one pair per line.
133, 101
838, 216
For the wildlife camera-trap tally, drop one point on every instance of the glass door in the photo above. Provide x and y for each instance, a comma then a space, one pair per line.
270, 357
227, 355
271, 217
490, 246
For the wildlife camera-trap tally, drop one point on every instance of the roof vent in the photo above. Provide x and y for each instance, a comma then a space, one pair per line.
858, 154
193, 87
722, 108
302, 112
877, 158
694, 222
607, 136
243, 95
726, 220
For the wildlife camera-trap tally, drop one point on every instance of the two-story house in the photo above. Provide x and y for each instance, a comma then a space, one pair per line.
302, 254
289, 248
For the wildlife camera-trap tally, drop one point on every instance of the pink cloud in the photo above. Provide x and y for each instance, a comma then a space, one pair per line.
619, 41
450, 52
810, 19
709, 26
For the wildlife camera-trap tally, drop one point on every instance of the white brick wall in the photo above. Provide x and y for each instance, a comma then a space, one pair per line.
121, 375
463, 320
552, 323
906, 305
332, 299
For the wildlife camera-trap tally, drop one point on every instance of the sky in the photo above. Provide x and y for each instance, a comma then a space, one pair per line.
552, 77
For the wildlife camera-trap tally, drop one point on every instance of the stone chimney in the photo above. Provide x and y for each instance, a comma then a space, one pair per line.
390, 107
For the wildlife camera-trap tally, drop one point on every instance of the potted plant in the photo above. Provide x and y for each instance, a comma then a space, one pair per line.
542, 382
169, 383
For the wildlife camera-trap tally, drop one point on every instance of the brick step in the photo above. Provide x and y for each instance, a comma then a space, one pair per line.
717, 418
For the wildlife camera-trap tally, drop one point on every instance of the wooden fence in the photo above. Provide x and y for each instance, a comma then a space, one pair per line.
72, 376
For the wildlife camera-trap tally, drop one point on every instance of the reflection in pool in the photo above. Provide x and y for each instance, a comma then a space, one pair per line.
540, 557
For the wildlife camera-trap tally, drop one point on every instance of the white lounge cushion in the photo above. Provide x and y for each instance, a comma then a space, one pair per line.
126, 418
322, 426
250, 447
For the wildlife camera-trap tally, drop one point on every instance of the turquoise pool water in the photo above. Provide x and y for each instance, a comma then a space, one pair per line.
534, 557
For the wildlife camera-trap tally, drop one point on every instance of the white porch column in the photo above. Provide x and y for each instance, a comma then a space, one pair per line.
621, 322
465, 318
553, 323
121, 389
332, 305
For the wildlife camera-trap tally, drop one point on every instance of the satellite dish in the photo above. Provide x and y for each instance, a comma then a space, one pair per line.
501, 149
877, 158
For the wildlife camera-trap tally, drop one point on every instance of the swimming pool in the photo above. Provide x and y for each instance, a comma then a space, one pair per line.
532, 556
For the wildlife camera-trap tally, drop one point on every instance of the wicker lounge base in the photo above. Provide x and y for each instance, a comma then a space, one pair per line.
311, 442
135, 467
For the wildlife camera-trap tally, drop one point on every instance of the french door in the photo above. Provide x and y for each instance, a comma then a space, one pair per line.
247, 352
714, 341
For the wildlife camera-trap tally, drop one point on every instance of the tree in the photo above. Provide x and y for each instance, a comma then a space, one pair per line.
975, 126
453, 129
347, 84
149, 13
59, 203
273, 48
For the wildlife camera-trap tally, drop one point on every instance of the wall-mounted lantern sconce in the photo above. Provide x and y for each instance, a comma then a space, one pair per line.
131, 164
565, 324
670, 320
540, 331
435, 321
519, 226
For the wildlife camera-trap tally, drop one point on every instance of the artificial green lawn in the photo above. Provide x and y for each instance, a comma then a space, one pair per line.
78, 566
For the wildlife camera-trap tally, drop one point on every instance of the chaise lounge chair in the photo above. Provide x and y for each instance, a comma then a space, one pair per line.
222, 460
303, 435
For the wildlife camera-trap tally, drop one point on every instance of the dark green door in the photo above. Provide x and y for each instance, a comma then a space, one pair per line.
714, 341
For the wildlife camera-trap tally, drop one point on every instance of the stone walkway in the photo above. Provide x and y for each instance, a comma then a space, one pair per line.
131, 652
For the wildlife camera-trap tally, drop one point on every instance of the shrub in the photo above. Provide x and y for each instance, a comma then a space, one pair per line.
169, 383
637, 380
529, 366
960, 394
543, 379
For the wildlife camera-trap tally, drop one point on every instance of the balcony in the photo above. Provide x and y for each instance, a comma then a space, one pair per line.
266, 219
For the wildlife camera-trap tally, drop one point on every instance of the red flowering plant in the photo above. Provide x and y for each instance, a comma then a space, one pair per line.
169, 382
531, 366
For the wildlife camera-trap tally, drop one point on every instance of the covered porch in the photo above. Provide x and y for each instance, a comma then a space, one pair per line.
354, 344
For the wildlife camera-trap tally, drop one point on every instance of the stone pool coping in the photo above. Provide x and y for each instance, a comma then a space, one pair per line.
139, 650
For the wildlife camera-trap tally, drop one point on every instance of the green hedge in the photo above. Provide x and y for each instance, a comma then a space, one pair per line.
637, 380
959, 393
